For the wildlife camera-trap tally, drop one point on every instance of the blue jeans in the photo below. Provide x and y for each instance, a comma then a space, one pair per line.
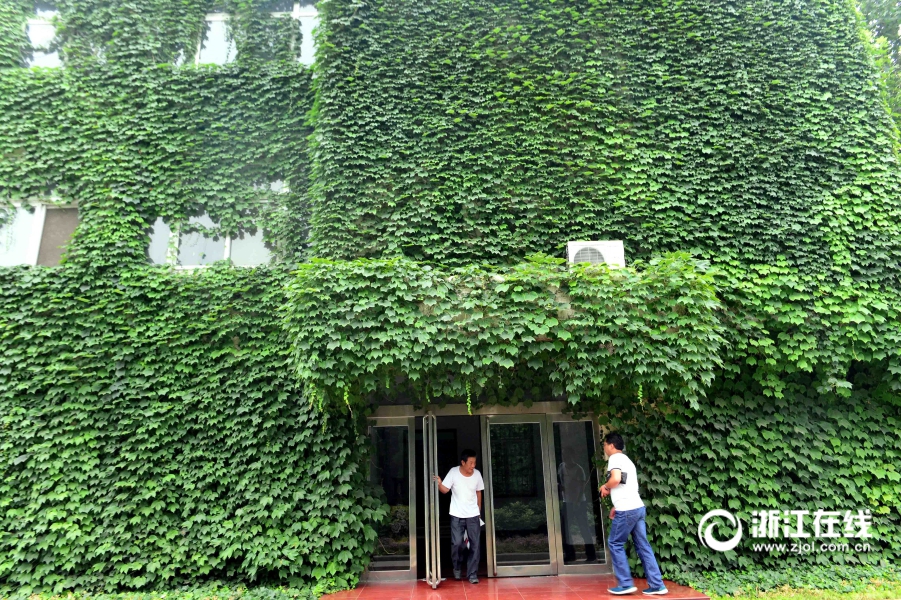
624, 523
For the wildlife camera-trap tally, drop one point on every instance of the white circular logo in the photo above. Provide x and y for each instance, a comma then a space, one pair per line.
707, 536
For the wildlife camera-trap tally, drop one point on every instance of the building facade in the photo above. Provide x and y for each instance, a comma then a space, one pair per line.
266, 266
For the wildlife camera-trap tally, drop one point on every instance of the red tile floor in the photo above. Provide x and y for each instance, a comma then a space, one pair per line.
561, 587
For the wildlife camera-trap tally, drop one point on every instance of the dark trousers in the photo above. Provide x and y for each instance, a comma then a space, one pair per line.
576, 513
458, 546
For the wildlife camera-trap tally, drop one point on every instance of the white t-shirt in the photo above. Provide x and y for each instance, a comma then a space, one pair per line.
464, 502
571, 477
625, 495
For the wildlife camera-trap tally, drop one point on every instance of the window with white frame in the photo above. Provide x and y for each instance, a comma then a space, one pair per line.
37, 236
306, 13
41, 32
198, 249
309, 19
20, 238
159, 249
216, 47
248, 250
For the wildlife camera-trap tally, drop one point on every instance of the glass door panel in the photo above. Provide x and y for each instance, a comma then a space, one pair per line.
390, 473
579, 520
523, 543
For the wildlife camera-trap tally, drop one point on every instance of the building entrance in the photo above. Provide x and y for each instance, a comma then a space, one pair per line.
541, 507
453, 434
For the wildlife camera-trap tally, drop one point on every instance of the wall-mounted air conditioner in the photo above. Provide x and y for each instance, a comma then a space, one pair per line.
610, 252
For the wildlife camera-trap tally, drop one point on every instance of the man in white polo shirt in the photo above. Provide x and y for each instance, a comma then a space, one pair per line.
628, 515
466, 484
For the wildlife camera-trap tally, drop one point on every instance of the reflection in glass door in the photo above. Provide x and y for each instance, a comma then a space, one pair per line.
391, 464
578, 515
519, 502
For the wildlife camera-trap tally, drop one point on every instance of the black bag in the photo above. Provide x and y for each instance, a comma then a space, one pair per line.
622, 476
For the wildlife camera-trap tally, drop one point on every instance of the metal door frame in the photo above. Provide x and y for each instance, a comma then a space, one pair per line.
546, 421
410, 573
430, 500
507, 571
584, 569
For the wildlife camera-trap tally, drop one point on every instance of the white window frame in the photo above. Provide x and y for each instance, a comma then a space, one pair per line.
210, 18
172, 254
36, 20
301, 12
298, 12
37, 226
175, 242
37, 231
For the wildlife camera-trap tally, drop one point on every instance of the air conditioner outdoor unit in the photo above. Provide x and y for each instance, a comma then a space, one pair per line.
610, 252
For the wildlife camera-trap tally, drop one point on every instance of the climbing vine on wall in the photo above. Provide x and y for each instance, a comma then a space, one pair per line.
154, 435
150, 433
130, 137
537, 329
542, 329
13, 43
752, 135
807, 451
486, 131
741, 151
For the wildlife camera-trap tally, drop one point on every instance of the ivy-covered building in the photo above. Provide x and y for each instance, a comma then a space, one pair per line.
253, 289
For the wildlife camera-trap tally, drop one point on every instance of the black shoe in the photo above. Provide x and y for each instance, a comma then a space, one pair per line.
458, 575
473, 579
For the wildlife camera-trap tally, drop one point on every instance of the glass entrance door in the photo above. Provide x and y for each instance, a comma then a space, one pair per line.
519, 506
542, 509
577, 513
390, 468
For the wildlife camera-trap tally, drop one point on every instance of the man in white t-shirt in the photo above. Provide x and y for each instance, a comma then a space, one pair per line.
628, 514
465, 483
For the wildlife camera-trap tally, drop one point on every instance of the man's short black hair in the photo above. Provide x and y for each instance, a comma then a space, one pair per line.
615, 439
467, 454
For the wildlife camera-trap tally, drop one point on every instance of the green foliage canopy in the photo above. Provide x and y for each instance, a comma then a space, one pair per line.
749, 133
537, 328
151, 428
753, 135
665, 328
151, 433
130, 137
